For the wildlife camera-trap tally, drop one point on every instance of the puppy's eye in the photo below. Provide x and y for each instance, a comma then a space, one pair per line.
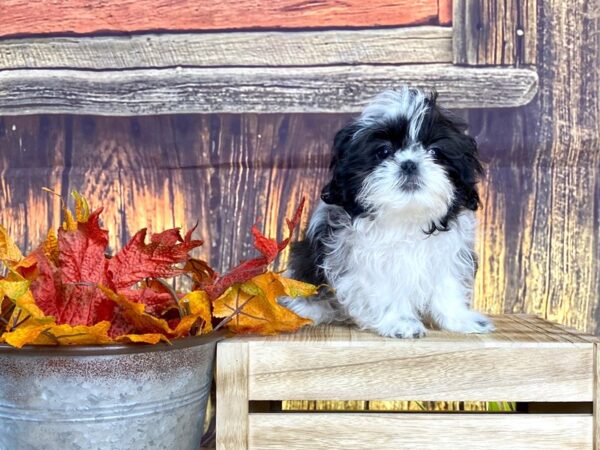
384, 151
433, 151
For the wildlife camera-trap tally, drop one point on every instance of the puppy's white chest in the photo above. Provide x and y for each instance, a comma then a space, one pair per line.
390, 261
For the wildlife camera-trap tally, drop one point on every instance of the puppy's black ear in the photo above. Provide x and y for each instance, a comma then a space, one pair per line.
333, 193
341, 143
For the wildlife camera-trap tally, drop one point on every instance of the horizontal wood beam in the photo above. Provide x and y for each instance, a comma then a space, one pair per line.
520, 373
427, 44
23, 17
296, 431
209, 90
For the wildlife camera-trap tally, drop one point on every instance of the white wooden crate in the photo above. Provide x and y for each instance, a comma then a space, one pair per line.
526, 360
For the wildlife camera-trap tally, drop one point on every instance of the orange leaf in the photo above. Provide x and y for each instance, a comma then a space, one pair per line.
197, 304
9, 252
82, 209
295, 288
50, 246
148, 338
36, 333
25, 334
259, 313
136, 314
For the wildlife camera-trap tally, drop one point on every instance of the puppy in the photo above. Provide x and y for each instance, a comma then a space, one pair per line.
393, 237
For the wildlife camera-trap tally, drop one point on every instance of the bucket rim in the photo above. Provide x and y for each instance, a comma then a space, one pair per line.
112, 349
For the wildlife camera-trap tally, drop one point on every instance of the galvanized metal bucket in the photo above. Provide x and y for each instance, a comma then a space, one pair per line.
115, 397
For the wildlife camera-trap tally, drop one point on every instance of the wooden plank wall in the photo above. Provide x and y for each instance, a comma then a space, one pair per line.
539, 230
91, 16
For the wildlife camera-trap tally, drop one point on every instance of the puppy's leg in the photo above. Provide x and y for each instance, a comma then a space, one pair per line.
318, 309
450, 309
388, 316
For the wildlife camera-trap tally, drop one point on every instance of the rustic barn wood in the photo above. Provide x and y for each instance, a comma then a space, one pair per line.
22, 17
380, 431
307, 89
488, 32
426, 44
165, 171
445, 12
32, 156
540, 244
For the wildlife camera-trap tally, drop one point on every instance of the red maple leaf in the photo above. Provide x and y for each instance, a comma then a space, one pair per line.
69, 290
269, 249
138, 260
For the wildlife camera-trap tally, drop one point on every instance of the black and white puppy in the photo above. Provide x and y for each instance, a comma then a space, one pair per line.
393, 236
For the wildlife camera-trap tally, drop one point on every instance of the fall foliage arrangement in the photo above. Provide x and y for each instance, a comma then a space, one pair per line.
69, 292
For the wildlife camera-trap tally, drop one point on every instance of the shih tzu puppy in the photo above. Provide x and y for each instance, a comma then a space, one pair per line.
393, 237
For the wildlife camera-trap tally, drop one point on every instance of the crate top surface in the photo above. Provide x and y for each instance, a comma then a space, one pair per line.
514, 330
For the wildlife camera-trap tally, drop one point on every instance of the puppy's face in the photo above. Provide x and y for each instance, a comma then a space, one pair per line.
404, 157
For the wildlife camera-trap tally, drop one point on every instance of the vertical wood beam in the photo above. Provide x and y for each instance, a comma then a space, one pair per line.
596, 397
232, 396
488, 32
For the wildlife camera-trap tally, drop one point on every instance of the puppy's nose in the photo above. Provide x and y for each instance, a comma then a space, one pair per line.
408, 167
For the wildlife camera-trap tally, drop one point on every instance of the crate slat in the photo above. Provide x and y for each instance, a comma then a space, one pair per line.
526, 359
299, 431
421, 372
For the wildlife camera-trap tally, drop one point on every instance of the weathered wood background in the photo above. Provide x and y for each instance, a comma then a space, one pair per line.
539, 234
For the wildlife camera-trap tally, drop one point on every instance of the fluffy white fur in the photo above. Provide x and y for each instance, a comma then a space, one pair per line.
387, 275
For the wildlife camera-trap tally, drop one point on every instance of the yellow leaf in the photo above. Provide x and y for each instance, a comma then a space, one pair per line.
148, 338
24, 334
257, 313
198, 305
70, 224
9, 252
27, 303
50, 246
251, 288
13, 289
76, 335
16, 288
35, 333
82, 209
295, 288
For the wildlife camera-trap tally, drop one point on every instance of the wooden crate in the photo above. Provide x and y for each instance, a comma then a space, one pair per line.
551, 371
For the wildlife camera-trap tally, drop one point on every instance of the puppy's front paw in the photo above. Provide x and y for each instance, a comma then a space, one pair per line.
404, 328
469, 322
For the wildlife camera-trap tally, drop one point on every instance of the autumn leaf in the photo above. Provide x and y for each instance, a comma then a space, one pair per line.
295, 288
269, 249
258, 312
9, 252
82, 209
135, 313
138, 260
68, 292
147, 338
50, 247
197, 307
65, 281
202, 274
36, 333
